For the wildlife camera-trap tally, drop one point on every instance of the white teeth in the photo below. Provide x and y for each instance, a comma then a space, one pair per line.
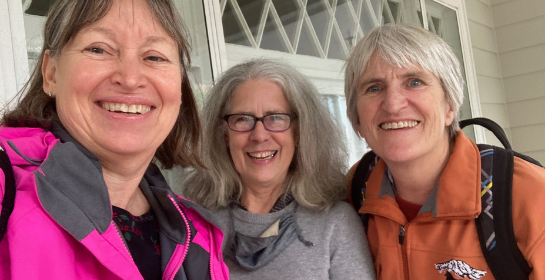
263, 155
125, 108
398, 125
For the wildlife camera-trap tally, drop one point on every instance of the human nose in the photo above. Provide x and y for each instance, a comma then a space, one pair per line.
259, 133
129, 72
394, 99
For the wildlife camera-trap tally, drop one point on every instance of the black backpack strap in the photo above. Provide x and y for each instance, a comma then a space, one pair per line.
8, 199
359, 179
495, 223
490, 125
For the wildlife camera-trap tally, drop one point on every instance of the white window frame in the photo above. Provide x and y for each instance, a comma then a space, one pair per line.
219, 59
469, 62
14, 70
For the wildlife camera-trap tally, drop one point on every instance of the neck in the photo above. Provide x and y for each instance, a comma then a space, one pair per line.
122, 180
260, 200
415, 180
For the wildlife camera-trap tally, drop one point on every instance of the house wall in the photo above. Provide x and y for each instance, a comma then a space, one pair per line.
520, 32
487, 65
508, 42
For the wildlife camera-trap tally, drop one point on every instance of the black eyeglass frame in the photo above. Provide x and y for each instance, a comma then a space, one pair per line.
261, 119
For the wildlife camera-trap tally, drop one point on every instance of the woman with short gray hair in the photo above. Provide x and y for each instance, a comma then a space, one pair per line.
427, 187
275, 178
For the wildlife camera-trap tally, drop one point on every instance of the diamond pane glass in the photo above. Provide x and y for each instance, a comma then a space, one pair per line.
367, 13
336, 50
306, 45
232, 27
272, 39
387, 14
445, 22
347, 22
289, 13
412, 13
252, 10
394, 9
319, 16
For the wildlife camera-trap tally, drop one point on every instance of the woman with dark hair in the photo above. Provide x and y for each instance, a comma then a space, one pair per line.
276, 178
109, 94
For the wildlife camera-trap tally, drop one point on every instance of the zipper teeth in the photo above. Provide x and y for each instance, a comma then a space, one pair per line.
122, 239
212, 252
188, 233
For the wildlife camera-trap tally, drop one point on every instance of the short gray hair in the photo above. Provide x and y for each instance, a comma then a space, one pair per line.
402, 46
316, 176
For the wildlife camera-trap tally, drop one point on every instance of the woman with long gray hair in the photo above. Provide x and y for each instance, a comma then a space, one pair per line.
275, 178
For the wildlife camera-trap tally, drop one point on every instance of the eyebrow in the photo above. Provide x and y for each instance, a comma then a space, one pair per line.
106, 31
252, 114
110, 33
415, 73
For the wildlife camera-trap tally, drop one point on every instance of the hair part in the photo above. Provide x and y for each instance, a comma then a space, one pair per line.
406, 46
65, 19
316, 176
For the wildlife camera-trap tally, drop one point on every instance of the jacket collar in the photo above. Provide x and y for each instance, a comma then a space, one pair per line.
456, 196
63, 188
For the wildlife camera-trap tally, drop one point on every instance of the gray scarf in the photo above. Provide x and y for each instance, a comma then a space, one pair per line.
252, 253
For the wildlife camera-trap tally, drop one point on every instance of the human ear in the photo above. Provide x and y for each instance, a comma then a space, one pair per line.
49, 69
226, 138
449, 116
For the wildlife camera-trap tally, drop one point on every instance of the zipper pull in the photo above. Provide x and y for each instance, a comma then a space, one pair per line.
401, 234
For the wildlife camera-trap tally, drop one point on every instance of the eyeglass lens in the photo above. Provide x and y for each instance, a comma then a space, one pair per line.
274, 122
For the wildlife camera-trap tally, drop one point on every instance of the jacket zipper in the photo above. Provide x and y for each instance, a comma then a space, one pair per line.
212, 252
402, 234
123, 239
187, 239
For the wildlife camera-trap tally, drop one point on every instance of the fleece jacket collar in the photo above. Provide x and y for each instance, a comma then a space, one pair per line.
456, 196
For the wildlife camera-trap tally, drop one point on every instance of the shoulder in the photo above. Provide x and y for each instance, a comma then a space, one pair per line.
340, 216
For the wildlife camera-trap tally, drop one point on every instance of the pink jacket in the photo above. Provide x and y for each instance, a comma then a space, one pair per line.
61, 226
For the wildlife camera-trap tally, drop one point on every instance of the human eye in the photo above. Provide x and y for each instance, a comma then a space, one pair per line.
242, 118
95, 50
373, 88
277, 118
155, 58
415, 83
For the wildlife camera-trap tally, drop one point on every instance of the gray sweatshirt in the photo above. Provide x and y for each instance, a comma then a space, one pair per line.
340, 251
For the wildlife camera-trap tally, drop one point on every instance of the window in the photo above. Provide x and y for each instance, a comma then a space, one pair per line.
316, 36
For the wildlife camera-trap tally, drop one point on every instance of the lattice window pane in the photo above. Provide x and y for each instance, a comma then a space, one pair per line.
369, 16
319, 16
272, 37
289, 13
346, 19
307, 46
252, 12
233, 26
411, 12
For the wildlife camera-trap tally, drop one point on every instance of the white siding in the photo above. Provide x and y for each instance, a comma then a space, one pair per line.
520, 31
487, 65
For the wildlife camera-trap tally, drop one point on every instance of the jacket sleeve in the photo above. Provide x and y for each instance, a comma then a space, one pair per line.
2, 188
528, 222
350, 255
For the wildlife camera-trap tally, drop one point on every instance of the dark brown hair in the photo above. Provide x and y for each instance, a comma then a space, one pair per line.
65, 19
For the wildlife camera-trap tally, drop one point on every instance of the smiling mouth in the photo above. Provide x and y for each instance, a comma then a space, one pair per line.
263, 155
399, 125
128, 109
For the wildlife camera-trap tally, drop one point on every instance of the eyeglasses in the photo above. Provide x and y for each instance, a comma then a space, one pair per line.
276, 122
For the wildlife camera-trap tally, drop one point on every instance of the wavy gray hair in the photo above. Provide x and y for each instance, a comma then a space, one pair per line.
404, 46
316, 177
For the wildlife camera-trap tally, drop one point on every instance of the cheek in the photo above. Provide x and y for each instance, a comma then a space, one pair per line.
366, 114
